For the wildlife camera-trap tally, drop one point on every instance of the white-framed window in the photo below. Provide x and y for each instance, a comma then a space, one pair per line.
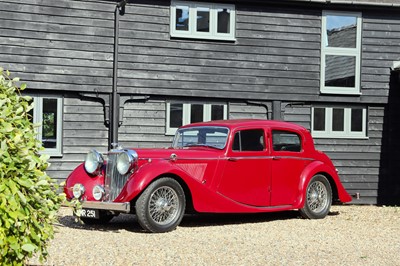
202, 20
339, 122
179, 114
341, 52
47, 111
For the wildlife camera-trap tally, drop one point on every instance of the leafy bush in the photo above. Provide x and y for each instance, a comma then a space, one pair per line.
28, 196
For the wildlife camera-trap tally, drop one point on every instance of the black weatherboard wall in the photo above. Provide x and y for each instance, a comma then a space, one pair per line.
63, 48
66, 48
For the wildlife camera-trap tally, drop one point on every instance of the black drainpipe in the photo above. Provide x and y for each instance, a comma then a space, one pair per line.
113, 130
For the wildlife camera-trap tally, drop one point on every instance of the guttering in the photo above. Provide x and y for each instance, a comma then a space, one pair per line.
344, 2
113, 131
363, 3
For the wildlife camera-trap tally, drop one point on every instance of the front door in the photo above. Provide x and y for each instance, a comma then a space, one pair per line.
246, 177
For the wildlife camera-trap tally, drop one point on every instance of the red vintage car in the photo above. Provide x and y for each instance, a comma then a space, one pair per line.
232, 166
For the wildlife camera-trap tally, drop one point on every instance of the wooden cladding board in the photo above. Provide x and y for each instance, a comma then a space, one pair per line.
68, 46
276, 56
58, 45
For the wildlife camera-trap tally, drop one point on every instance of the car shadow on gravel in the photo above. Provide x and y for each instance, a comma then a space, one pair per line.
129, 222
211, 219
121, 222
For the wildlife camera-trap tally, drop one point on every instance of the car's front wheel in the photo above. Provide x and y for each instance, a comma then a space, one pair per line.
318, 198
161, 206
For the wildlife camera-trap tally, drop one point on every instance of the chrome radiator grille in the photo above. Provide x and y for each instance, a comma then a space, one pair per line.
113, 181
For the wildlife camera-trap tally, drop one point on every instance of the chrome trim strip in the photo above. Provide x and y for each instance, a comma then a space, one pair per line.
179, 159
109, 206
248, 157
268, 157
293, 157
236, 157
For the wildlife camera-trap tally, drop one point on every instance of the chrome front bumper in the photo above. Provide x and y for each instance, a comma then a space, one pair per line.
108, 206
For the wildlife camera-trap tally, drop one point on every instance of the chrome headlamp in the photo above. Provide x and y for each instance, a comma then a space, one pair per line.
126, 161
93, 162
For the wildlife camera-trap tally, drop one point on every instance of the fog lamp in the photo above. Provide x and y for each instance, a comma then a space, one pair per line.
78, 190
98, 192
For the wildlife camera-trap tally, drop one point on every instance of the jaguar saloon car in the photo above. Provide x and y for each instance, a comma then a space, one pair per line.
227, 166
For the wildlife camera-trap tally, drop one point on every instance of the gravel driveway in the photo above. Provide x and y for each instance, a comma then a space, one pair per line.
350, 235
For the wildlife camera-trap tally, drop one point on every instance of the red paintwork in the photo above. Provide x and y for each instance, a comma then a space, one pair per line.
258, 181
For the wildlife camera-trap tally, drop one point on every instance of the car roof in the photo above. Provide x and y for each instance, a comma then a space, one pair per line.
234, 123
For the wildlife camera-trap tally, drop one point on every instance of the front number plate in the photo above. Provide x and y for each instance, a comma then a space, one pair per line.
88, 213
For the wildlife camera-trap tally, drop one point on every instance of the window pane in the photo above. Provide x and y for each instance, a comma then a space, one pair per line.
175, 115
30, 113
356, 120
224, 20
49, 123
236, 142
341, 31
340, 71
203, 19
319, 119
252, 140
201, 136
196, 113
182, 18
217, 112
338, 119
285, 141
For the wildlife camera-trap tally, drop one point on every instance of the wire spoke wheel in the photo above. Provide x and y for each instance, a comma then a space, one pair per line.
318, 198
161, 206
164, 205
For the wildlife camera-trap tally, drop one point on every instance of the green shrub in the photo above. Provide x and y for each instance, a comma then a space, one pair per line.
28, 196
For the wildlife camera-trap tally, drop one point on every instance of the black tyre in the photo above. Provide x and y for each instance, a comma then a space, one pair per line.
318, 198
161, 206
104, 219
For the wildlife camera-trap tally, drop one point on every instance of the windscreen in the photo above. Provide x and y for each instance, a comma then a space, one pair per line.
213, 137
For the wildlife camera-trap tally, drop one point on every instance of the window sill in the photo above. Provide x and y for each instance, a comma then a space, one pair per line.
339, 92
52, 154
339, 137
202, 37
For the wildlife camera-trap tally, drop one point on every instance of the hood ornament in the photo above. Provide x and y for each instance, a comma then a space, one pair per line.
116, 146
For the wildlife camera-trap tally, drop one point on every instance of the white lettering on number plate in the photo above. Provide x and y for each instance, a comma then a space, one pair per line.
87, 213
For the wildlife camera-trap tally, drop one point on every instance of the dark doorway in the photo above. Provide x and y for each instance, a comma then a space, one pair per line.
389, 173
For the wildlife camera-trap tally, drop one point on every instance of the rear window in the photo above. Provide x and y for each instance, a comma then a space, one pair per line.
286, 141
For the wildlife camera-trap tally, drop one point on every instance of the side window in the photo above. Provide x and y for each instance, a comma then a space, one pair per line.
47, 111
249, 140
200, 20
341, 52
286, 141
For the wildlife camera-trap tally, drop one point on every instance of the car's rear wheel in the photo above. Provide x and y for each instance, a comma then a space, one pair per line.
161, 206
318, 198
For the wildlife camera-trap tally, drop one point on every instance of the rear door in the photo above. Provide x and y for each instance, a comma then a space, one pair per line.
288, 163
